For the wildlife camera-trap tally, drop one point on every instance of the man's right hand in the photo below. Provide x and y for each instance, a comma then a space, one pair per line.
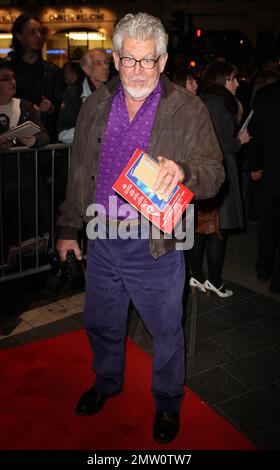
63, 246
256, 175
244, 137
5, 144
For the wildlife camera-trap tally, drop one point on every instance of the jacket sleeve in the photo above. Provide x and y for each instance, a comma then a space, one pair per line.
255, 147
53, 84
224, 127
52, 88
203, 161
69, 109
70, 216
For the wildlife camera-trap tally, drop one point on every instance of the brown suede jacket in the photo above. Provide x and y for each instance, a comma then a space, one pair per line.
182, 131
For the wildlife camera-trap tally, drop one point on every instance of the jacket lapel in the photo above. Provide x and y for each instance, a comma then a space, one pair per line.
168, 105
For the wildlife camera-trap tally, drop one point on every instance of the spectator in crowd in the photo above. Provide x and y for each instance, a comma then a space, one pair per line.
224, 212
251, 178
16, 111
139, 108
72, 72
271, 63
265, 166
186, 79
95, 64
38, 81
264, 77
13, 112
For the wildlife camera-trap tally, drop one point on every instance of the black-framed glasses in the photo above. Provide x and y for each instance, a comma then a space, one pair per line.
130, 62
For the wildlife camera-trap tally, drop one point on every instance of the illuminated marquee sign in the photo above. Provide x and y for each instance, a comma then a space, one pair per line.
75, 17
60, 17
7, 19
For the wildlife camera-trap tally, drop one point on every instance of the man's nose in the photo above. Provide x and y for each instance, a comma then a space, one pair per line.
137, 68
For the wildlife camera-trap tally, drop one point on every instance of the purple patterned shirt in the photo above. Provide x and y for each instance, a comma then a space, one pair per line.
120, 140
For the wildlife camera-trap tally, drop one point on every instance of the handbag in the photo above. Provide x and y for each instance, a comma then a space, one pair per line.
207, 221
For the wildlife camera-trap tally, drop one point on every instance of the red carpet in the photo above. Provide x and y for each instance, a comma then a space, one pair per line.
41, 382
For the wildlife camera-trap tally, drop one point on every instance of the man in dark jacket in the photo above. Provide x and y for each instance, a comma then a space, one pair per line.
95, 64
265, 165
141, 109
39, 81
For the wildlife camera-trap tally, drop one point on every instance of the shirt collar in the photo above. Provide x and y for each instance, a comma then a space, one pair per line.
86, 89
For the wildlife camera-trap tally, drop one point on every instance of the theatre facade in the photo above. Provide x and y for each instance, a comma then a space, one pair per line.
220, 25
69, 32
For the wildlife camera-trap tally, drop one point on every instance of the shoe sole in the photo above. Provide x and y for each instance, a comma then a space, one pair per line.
94, 412
165, 441
82, 413
196, 290
211, 292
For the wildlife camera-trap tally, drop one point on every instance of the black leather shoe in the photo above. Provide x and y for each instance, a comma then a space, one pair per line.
91, 402
166, 426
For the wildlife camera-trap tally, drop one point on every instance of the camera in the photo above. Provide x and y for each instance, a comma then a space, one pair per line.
65, 275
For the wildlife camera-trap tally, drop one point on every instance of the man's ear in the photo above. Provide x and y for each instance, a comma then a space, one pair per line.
85, 69
116, 61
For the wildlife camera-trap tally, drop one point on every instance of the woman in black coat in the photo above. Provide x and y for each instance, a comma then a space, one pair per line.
225, 210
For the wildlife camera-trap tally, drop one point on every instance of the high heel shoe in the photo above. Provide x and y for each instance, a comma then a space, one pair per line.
195, 284
221, 292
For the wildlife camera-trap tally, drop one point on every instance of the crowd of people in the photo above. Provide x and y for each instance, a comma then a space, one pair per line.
191, 125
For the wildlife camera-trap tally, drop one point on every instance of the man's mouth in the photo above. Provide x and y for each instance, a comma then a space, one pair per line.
137, 82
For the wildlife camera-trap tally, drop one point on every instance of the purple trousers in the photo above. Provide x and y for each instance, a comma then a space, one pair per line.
120, 270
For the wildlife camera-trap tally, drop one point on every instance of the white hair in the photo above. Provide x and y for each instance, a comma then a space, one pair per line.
87, 57
141, 26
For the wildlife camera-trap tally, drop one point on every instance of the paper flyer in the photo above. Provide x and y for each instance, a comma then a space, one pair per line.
135, 184
25, 129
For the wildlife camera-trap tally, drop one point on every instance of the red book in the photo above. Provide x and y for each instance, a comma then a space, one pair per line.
135, 184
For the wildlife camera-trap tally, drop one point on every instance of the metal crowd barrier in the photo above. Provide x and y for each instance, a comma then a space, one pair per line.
32, 185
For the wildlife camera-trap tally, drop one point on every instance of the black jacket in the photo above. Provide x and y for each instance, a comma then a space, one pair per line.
71, 104
40, 79
264, 128
222, 107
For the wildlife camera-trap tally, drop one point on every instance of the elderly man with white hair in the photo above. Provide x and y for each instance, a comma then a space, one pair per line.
140, 108
95, 65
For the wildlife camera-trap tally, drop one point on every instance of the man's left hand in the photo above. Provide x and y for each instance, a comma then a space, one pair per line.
29, 141
45, 106
170, 175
